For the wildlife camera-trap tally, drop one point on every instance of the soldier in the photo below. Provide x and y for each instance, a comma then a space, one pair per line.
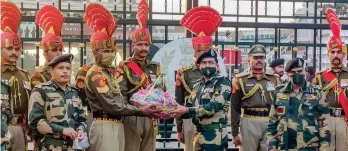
102, 85
277, 66
138, 72
310, 73
251, 95
188, 75
6, 114
51, 43
210, 115
19, 83
57, 116
334, 81
299, 116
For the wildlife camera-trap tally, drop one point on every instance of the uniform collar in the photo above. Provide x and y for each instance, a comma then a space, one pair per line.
5, 67
57, 87
253, 75
288, 87
140, 62
212, 78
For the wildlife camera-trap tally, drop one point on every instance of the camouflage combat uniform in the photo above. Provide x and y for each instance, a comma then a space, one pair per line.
52, 110
299, 121
6, 114
208, 107
140, 132
185, 79
20, 90
41, 75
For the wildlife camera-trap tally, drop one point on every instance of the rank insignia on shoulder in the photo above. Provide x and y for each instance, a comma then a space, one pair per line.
217, 92
283, 97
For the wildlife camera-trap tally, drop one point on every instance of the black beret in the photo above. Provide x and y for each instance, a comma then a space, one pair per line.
257, 50
61, 58
310, 69
294, 63
211, 53
276, 62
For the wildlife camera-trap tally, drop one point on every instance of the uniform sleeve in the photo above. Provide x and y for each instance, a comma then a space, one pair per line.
80, 85
235, 107
81, 118
323, 121
123, 83
222, 94
110, 98
37, 119
180, 98
272, 128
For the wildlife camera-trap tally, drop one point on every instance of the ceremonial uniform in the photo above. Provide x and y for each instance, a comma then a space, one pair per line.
102, 89
18, 79
187, 76
299, 120
140, 132
6, 114
51, 40
208, 106
53, 109
251, 99
334, 82
185, 79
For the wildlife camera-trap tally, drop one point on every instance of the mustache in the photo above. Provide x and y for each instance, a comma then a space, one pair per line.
65, 76
259, 63
14, 56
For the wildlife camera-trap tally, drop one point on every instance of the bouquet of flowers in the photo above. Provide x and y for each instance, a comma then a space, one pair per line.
154, 94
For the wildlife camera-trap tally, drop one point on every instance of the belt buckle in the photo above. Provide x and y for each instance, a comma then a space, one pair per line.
65, 145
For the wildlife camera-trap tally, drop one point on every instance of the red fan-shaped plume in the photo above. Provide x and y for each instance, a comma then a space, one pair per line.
10, 17
202, 19
143, 11
334, 22
49, 16
98, 18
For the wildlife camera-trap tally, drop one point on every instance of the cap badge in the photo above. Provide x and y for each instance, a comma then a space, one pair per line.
334, 44
108, 43
15, 41
142, 36
56, 44
300, 63
212, 53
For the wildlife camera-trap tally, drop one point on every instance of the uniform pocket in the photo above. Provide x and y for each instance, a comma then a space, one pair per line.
57, 109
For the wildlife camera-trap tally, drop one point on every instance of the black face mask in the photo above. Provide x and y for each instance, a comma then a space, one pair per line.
208, 71
298, 79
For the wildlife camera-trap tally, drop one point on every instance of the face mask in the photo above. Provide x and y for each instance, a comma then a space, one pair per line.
107, 59
298, 79
208, 71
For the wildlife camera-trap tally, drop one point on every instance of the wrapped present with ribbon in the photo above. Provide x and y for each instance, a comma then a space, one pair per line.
155, 94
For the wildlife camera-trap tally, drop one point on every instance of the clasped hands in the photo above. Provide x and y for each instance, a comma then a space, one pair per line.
151, 111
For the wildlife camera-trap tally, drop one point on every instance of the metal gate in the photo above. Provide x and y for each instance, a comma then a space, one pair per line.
288, 28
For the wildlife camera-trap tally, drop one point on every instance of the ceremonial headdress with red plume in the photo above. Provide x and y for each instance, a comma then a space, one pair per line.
203, 21
335, 26
50, 20
103, 24
10, 22
142, 33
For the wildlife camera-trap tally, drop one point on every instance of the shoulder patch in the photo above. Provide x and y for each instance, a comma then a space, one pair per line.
122, 63
36, 74
5, 82
86, 67
243, 74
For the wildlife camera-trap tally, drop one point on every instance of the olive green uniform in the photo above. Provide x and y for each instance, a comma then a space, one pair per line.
251, 100
108, 107
299, 121
6, 114
41, 75
52, 110
140, 132
185, 79
20, 89
338, 125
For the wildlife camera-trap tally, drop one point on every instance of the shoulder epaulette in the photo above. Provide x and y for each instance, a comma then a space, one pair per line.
321, 71
122, 63
25, 71
74, 88
40, 85
243, 74
279, 87
182, 69
154, 62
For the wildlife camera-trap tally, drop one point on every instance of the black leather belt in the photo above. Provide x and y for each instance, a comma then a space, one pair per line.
256, 112
337, 112
202, 128
58, 142
101, 115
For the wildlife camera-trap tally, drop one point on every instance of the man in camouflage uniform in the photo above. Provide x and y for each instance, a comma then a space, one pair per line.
6, 114
208, 105
299, 116
138, 72
18, 79
251, 99
102, 88
51, 43
57, 117
188, 75
334, 81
